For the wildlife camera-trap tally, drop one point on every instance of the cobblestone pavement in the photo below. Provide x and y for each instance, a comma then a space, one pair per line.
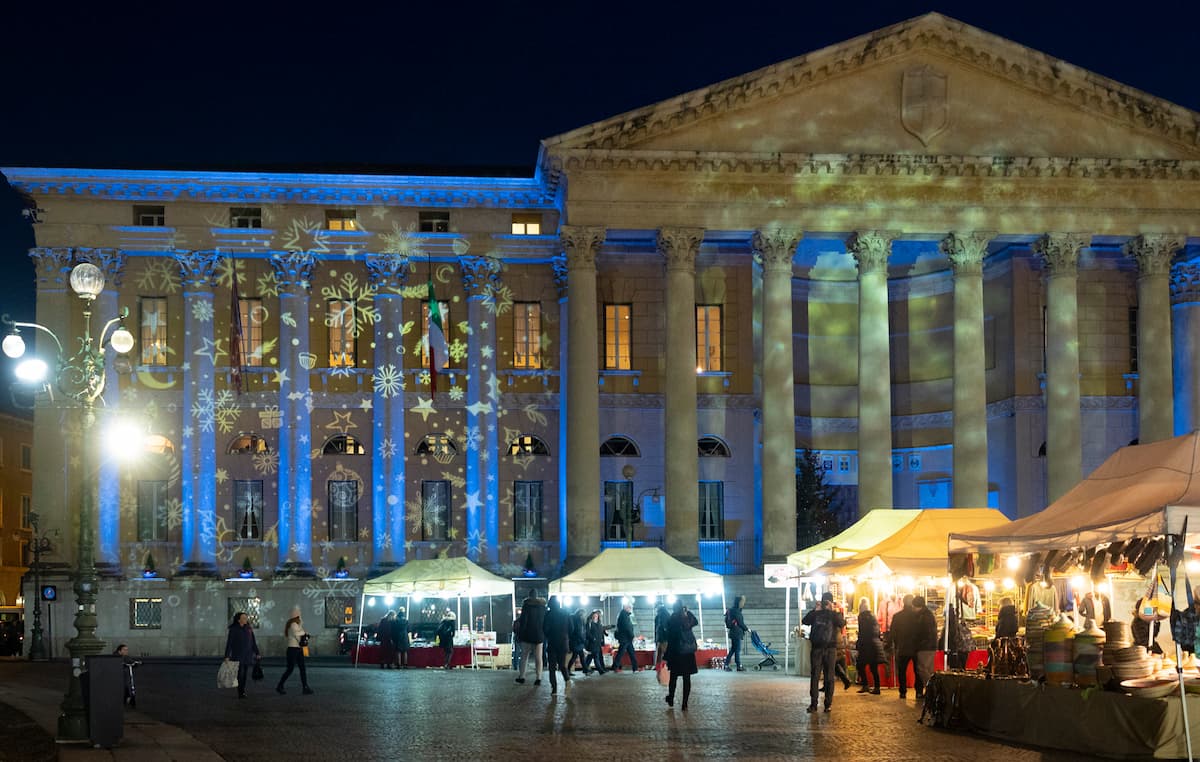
374, 714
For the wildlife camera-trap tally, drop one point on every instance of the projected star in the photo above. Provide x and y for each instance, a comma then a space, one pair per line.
424, 407
211, 349
341, 422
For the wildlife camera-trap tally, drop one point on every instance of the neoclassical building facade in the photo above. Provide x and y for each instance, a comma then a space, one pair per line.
959, 270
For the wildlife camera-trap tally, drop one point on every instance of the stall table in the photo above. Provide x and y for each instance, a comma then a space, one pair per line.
420, 657
887, 672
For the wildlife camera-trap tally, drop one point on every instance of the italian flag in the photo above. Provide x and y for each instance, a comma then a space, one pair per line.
436, 338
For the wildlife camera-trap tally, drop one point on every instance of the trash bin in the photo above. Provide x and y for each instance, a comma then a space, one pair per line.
104, 693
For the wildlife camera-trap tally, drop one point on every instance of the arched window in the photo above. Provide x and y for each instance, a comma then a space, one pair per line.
711, 447
248, 444
157, 444
527, 444
438, 446
343, 444
618, 447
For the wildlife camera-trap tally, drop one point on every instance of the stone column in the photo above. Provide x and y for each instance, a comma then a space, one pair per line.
388, 273
966, 253
1185, 327
580, 245
679, 247
559, 266
1064, 451
871, 250
775, 248
198, 451
1156, 399
293, 269
480, 275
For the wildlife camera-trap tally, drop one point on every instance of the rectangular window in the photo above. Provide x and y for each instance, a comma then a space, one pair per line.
339, 319
245, 217
526, 223
251, 607
26, 457
433, 222
708, 338
252, 340
527, 335
248, 509
444, 308
145, 613
341, 219
435, 510
150, 216
26, 509
527, 511
618, 508
152, 510
343, 510
712, 510
616, 336
153, 329
340, 610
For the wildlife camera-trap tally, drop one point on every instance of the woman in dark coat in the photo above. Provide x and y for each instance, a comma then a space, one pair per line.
576, 638
240, 646
386, 635
869, 647
594, 641
445, 636
1006, 620
400, 637
681, 652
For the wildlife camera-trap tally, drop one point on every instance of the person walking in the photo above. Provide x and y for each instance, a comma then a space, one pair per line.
824, 624
869, 647
556, 628
445, 637
735, 622
128, 665
625, 634
400, 638
297, 641
904, 644
516, 641
926, 634
594, 642
661, 617
531, 636
681, 652
385, 633
240, 646
576, 638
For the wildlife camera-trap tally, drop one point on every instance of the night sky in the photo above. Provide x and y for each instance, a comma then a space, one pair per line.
445, 85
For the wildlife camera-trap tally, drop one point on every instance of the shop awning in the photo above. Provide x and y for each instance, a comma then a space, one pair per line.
1140, 491
439, 576
875, 527
636, 571
919, 547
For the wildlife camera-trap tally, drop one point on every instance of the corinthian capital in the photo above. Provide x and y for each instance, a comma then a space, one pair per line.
293, 269
871, 249
387, 270
1153, 252
479, 274
580, 244
775, 247
679, 246
110, 261
196, 268
52, 265
966, 252
1060, 251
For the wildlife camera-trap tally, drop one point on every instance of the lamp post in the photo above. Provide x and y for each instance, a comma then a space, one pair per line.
81, 378
41, 544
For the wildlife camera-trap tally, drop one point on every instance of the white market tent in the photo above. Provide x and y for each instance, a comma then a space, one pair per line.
877, 525
640, 571
919, 547
1140, 491
438, 577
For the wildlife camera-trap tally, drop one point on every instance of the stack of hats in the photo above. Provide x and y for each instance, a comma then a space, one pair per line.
1036, 622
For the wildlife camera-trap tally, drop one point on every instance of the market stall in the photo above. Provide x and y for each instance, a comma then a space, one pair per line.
871, 529
442, 578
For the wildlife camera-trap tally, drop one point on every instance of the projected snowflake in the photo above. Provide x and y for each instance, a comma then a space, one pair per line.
202, 310
266, 463
359, 300
225, 270
159, 275
218, 408
401, 241
388, 381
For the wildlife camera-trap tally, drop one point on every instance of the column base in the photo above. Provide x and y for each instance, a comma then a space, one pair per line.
300, 569
109, 570
197, 569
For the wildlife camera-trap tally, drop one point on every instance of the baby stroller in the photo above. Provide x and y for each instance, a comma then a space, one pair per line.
765, 649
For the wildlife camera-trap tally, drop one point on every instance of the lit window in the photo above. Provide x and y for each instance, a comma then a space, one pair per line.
152, 510
250, 444
153, 329
245, 217
341, 219
247, 509
439, 446
444, 309
708, 338
343, 444
252, 340
618, 508
616, 336
435, 510
527, 335
339, 319
526, 223
619, 447
150, 216
343, 510
145, 613
433, 222
711, 447
527, 444
527, 511
712, 510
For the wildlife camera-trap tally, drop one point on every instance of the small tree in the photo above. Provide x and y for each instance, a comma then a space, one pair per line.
148, 566
246, 565
816, 517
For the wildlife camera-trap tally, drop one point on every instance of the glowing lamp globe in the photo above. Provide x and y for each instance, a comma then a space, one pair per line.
122, 340
87, 280
32, 371
14, 345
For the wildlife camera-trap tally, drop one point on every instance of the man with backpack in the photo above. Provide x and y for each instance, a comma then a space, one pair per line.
824, 624
736, 624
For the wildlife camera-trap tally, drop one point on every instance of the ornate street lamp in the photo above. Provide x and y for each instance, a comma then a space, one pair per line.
81, 378
41, 544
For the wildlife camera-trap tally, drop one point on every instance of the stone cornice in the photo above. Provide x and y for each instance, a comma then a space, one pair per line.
1027, 68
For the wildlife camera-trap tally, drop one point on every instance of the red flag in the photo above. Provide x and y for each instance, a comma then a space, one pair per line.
235, 331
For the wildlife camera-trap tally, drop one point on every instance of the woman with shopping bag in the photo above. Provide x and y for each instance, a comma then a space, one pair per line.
681, 652
242, 649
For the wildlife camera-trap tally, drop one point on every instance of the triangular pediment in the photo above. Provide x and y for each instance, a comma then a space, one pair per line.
930, 85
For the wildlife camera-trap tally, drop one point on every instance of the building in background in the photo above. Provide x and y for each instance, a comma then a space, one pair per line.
958, 269
16, 501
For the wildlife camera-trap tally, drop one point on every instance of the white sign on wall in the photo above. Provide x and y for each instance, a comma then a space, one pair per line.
780, 575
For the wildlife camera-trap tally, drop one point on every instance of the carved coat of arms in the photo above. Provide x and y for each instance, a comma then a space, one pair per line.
924, 107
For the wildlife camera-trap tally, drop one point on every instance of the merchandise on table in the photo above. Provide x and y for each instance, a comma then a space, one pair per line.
1087, 645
